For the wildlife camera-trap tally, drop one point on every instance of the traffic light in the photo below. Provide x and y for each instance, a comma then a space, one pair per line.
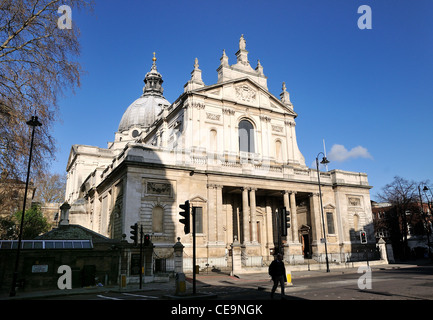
134, 233
285, 220
363, 236
146, 240
187, 216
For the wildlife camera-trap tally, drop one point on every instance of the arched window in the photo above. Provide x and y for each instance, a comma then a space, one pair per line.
213, 140
330, 222
157, 219
356, 222
278, 151
246, 136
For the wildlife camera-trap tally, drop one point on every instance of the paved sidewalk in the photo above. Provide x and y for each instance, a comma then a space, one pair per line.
146, 287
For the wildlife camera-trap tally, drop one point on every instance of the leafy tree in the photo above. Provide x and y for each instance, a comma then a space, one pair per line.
8, 228
34, 224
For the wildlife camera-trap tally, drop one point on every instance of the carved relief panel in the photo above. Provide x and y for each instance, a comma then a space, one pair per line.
245, 93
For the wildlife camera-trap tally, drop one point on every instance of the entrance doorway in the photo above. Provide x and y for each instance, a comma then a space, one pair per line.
306, 248
305, 233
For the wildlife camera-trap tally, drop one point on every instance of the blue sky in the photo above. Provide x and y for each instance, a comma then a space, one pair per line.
367, 93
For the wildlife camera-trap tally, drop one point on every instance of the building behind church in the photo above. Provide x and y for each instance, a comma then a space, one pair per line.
230, 148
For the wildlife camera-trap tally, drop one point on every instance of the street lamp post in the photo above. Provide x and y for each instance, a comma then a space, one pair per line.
324, 161
424, 216
33, 122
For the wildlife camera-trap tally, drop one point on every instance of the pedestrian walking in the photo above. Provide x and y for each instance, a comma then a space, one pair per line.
277, 271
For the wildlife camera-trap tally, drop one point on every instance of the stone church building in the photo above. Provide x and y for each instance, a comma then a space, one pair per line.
230, 148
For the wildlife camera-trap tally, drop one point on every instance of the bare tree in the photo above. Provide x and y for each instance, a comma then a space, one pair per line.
50, 188
402, 195
37, 63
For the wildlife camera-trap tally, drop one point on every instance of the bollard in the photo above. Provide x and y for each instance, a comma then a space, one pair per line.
123, 281
180, 283
289, 278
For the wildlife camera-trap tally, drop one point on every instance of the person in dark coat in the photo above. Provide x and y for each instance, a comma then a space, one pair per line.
277, 271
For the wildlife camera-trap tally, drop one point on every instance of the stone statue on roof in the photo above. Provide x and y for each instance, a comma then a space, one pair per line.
242, 43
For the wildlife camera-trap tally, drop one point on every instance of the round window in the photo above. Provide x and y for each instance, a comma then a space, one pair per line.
135, 133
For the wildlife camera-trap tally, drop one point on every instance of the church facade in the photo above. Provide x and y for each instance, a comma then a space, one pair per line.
230, 149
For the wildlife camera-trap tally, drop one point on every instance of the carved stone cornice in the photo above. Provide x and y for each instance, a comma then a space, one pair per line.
265, 118
198, 105
315, 194
228, 111
214, 186
290, 123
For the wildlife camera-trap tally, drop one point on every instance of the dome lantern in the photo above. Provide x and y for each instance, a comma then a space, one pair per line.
144, 111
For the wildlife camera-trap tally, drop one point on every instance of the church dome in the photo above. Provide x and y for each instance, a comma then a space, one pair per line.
144, 111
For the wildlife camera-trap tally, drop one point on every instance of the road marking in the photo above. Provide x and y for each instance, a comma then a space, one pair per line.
139, 295
105, 297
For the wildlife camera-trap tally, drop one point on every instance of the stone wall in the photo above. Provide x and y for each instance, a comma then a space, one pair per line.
38, 268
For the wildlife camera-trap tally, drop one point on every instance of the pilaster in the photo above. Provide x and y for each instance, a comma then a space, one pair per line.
315, 218
245, 216
220, 221
294, 218
253, 215
211, 213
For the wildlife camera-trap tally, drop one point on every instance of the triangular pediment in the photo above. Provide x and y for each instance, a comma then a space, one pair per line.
197, 199
305, 228
244, 91
71, 157
329, 207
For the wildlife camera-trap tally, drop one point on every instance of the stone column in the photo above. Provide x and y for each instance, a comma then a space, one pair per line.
219, 214
253, 215
211, 213
285, 245
294, 218
295, 246
381, 245
245, 215
236, 218
64, 214
178, 256
389, 253
229, 218
269, 225
236, 257
148, 259
315, 216
164, 138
